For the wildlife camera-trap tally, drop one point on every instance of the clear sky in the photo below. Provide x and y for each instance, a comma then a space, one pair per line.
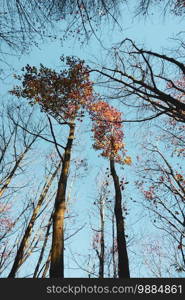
155, 33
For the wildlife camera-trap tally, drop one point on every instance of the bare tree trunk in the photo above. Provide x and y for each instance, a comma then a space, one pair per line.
102, 242
113, 249
19, 259
123, 263
57, 248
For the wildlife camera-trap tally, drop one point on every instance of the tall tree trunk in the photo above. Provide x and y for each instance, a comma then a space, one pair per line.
102, 242
19, 259
57, 248
113, 248
123, 263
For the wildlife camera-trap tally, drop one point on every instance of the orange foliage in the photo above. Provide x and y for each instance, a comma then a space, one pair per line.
60, 94
108, 134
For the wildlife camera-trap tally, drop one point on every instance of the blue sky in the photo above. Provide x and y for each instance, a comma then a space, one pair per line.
155, 33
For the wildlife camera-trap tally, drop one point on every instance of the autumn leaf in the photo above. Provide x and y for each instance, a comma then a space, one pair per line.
128, 160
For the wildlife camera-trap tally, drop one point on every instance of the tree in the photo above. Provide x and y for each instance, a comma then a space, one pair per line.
108, 137
19, 259
15, 144
141, 80
104, 246
177, 7
61, 95
22, 21
162, 185
155, 256
16, 151
100, 243
99, 239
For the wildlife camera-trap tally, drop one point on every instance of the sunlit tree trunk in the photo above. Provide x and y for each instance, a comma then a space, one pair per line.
123, 263
57, 248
